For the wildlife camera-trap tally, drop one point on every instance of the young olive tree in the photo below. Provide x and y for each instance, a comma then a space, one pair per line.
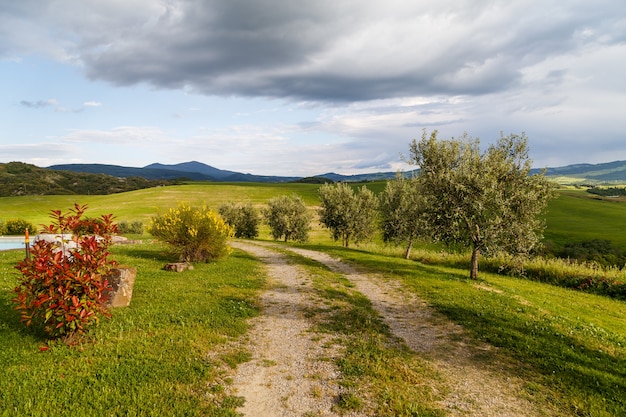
487, 201
288, 218
402, 212
243, 217
348, 215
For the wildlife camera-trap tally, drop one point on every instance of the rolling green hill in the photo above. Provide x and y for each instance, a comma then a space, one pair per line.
17, 178
572, 217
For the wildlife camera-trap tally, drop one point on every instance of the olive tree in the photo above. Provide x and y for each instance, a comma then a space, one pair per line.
243, 217
349, 215
288, 218
487, 201
402, 212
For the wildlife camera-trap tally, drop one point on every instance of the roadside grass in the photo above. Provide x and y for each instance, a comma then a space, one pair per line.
574, 343
379, 374
165, 354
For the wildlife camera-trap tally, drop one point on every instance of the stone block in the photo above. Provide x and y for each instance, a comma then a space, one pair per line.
122, 281
178, 266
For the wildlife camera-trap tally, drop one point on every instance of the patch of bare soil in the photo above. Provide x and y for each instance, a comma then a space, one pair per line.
287, 378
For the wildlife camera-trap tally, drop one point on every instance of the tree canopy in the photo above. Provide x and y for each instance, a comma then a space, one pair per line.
349, 215
402, 212
288, 218
484, 200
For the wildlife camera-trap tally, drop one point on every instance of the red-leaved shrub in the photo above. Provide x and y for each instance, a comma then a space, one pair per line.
63, 286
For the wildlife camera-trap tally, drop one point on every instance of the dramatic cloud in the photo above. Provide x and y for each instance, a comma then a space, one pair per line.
376, 72
343, 50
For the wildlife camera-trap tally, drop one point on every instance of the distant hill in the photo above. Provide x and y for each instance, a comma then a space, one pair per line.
127, 172
592, 174
214, 174
18, 178
198, 171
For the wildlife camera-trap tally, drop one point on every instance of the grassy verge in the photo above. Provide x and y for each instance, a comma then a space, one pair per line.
574, 343
155, 357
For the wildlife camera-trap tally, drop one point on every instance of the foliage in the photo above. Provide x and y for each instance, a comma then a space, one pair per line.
600, 251
402, 212
196, 234
349, 215
243, 217
288, 218
14, 227
486, 201
63, 287
17, 178
607, 192
125, 228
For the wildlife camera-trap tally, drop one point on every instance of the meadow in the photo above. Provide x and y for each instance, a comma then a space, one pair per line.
171, 351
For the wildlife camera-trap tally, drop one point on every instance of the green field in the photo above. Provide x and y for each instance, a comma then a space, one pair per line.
574, 216
142, 204
577, 216
166, 353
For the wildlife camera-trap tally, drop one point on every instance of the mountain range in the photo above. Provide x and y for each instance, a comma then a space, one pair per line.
610, 172
197, 171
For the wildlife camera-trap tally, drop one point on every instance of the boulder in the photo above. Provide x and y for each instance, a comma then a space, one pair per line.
178, 266
122, 281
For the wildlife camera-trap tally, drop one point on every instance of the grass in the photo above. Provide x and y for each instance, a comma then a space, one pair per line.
578, 216
573, 343
156, 357
140, 205
167, 352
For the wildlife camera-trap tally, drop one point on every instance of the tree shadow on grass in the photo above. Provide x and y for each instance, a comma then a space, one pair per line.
10, 322
594, 376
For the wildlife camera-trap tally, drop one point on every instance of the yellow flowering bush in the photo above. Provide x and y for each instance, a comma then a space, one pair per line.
196, 234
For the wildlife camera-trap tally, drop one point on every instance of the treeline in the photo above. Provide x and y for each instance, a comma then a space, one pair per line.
608, 192
598, 251
18, 178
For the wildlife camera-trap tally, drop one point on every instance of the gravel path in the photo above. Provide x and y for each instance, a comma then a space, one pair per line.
290, 374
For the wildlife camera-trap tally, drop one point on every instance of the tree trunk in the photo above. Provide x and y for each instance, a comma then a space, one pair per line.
474, 265
407, 252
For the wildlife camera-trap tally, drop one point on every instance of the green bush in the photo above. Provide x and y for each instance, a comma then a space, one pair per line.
63, 288
125, 228
288, 218
244, 218
196, 234
18, 227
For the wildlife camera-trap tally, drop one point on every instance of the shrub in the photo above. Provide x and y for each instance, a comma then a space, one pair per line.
18, 227
196, 234
63, 288
125, 228
244, 218
288, 218
349, 215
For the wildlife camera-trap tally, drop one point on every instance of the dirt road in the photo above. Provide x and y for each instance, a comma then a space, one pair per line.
292, 372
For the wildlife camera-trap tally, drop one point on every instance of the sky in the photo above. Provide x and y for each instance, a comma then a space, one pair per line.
301, 88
